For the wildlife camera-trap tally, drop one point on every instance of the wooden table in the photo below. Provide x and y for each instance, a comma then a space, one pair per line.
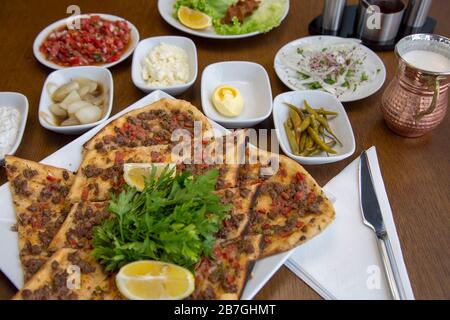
416, 171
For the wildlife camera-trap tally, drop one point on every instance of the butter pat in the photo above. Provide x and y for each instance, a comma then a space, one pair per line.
228, 101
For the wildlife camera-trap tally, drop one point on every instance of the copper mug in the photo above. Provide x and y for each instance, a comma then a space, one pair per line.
416, 100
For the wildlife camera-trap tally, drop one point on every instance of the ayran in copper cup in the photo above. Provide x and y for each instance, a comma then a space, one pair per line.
416, 100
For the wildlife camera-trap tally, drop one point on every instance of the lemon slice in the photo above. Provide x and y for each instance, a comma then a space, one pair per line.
154, 280
193, 19
135, 174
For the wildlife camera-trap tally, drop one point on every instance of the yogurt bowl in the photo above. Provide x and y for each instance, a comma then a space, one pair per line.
18, 104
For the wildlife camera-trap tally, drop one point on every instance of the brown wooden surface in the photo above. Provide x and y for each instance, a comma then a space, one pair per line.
416, 171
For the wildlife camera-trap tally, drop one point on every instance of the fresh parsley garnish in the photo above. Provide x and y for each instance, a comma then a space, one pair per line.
174, 219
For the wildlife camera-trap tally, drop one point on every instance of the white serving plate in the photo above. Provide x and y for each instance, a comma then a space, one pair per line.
165, 8
20, 103
363, 91
69, 157
63, 76
252, 81
143, 49
44, 33
340, 125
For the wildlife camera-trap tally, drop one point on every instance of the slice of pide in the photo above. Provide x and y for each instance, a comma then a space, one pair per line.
241, 200
223, 154
100, 173
36, 172
152, 125
289, 209
257, 166
225, 274
77, 230
39, 196
69, 274
227, 173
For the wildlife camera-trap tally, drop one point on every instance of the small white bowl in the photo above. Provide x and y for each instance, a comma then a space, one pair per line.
63, 76
251, 79
143, 49
19, 102
340, 125
58, 24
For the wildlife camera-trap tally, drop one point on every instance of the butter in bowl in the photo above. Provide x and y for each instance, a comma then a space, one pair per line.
236, 94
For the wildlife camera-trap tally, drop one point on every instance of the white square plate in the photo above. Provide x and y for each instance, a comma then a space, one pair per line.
340, 124
146, 46
252, 81
63, 76
69, 157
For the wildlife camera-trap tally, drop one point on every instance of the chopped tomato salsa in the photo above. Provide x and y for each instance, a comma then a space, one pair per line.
98, 41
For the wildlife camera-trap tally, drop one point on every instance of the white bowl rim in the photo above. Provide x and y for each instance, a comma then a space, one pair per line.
78, 127
54, 25
316, 160
23, 120
234, 120
349, 99
178, 86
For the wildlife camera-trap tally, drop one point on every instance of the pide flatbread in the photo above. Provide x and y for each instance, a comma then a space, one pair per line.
36, 172
289, 209
151, 125
57, 279
39, 196
223, 154
100, 173
241, 200
77, 230
275, 204
258, 166
223, 277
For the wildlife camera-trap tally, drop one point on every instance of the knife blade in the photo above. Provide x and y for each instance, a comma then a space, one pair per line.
373, 218
370, 208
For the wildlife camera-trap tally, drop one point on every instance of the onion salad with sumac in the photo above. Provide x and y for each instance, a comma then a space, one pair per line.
97, 41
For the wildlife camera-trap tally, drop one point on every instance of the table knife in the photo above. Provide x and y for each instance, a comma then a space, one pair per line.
372, 218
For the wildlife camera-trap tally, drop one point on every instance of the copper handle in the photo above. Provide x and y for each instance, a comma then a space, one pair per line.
434, 85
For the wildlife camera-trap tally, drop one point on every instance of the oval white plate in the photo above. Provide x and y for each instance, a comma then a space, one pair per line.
340, 125
44, 33
363, 91
165, 8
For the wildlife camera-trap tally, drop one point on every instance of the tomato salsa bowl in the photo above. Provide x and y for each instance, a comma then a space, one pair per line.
101, 40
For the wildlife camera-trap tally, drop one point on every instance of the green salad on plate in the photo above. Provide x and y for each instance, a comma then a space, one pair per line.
259, 15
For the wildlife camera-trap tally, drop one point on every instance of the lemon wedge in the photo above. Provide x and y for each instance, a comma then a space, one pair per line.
193, 19
154, 280
135, 174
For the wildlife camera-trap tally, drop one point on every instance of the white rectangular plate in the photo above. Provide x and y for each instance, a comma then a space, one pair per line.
69, 157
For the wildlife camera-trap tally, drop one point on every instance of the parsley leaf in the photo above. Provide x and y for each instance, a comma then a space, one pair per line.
174, 219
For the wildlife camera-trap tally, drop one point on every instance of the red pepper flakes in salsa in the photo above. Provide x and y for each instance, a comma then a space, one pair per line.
98, 41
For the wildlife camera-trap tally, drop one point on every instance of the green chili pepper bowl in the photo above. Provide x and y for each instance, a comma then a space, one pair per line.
339, 125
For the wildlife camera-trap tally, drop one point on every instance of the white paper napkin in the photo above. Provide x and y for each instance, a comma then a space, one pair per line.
344, 262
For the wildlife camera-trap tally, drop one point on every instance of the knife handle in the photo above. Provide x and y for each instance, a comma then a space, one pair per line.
392, 273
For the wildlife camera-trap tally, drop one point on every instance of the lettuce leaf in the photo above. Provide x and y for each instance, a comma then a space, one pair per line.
264, 19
